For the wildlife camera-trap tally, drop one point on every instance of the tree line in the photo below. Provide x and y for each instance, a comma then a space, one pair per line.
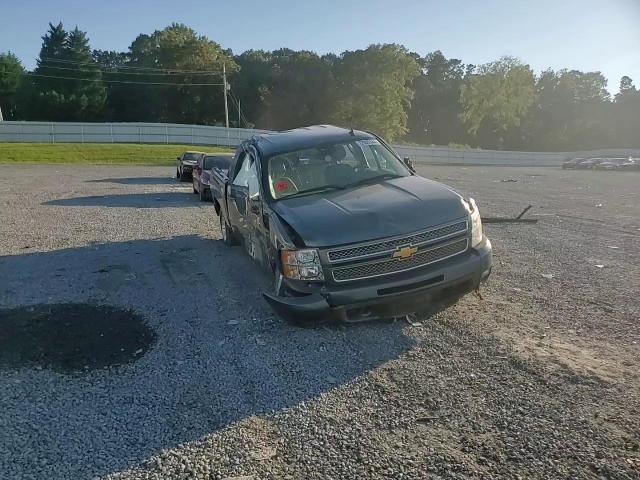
175, 75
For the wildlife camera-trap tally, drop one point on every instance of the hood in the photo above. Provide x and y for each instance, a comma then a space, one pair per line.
392, 207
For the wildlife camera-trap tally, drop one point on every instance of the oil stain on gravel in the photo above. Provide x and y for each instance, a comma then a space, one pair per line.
71, 337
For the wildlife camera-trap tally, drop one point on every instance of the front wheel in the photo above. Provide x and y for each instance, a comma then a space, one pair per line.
227, 234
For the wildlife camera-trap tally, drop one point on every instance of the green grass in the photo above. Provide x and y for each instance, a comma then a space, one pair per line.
97, 153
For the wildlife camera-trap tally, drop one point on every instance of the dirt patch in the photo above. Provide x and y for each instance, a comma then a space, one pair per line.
71, 337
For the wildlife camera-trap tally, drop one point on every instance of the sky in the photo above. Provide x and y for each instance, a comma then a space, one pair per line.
586, 35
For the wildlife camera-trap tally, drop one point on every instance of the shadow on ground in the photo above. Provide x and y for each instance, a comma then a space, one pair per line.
133, 200
220, 355
71, 337
137, 180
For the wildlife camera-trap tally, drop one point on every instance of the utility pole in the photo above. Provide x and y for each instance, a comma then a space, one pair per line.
226, 87
239, 114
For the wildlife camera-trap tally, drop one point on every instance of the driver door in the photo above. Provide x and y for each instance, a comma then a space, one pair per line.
238, 196
256, 233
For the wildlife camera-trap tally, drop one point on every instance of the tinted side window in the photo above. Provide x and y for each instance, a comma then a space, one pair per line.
216, 162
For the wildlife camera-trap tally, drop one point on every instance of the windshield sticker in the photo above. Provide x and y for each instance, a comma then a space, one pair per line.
366, 143
283, 185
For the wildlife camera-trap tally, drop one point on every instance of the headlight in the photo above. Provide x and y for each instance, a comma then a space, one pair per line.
301, 264
476, 221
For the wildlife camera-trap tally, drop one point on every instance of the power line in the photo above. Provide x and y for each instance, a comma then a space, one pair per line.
226, 88
79, 69
118, 81
74, 62
174, 70
237, 104
242, 115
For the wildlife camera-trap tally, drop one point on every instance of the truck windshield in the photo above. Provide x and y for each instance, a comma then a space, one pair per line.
327, 167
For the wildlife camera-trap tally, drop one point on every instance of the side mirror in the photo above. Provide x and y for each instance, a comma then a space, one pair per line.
177, 158
407, 161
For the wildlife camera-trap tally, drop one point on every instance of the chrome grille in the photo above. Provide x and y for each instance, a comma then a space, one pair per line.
388, 246
384, 267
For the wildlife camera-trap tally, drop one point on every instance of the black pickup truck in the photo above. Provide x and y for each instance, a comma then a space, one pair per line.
347, 229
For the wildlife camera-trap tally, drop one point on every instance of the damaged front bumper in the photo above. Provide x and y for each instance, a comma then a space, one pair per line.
425, 289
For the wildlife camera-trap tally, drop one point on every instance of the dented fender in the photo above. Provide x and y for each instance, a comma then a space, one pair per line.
279, 238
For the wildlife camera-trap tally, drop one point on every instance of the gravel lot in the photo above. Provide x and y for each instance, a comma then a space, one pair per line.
537, 380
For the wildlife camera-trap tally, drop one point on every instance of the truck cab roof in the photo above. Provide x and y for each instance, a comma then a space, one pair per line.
305, 137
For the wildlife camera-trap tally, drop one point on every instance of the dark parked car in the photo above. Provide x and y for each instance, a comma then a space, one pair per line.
609, 163
346, 229
572, 163
634, 164
202, 171
185, 163
589, 163
616, 164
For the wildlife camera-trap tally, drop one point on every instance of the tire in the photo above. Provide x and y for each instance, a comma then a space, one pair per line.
202, 194
228, 238
178, 173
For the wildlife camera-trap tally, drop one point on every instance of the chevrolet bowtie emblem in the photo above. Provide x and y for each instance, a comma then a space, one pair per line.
405, 252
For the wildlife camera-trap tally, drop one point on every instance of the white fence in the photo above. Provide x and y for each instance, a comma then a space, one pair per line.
61, 132
468, 156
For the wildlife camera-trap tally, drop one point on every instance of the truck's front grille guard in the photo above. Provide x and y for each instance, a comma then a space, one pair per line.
362, 271
362, 251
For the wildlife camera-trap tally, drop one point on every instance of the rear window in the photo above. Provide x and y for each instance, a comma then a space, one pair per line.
191, 156
216, 162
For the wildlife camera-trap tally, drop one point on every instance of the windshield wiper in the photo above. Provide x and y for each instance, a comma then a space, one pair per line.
323, 188
386, 176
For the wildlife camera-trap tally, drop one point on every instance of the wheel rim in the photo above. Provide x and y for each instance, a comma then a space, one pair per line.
223, 228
